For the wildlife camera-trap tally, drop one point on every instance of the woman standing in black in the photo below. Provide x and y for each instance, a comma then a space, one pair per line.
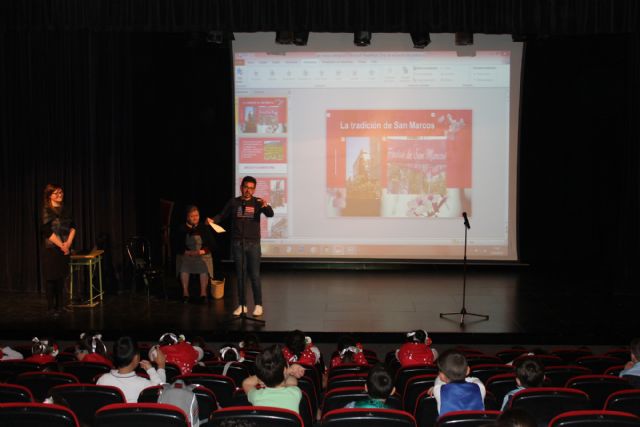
58, 231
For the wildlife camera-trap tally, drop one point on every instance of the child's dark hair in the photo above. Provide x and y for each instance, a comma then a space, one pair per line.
44, 346
296, 341
453, 364
125, 350
250, 341
530, 372
168, 338
270, 366
515, 417
345, 343
379, 382
91, 343
229, 353
419, 336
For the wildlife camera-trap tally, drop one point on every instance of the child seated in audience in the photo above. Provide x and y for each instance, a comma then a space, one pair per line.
230, 353
529, 373
631, 371
379, 387
249, 346
416, 350
178, 351
349, 353
90, 348
126, 357
453, 389
43, 351
7, 353
274, 384
299, 349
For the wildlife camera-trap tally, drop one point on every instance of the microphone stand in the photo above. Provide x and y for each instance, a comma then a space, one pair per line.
463, 311
243, 316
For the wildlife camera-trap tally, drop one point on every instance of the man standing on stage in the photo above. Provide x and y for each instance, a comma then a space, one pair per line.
245, 240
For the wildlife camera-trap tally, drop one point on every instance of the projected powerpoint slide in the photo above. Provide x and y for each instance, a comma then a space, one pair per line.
262, 115
262, 155
398, 163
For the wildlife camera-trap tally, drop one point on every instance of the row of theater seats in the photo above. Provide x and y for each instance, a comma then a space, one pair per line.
160, 415
345, 384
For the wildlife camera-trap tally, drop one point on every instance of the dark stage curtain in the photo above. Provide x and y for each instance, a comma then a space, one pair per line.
579, 181
485, 16
65, 115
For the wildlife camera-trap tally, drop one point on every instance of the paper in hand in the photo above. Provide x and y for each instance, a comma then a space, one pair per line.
217, 228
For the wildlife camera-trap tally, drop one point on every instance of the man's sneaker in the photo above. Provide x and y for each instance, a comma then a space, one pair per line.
239, 310
257, 311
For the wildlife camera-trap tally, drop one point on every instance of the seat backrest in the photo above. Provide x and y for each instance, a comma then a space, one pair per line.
544, 403
14, 393
306, 413
221, 386
544, 359
85, 399
307, 385
39, 383
404, 373
369, 417
510, 354
348, 369
261, 416
235, 370
36, 415
598, 387
625, 401
595, 418
485, 371
482, 359
85, 371
501, 384
414, 387
599, 363
569, 355
338, 398
467, 418
140, 415
426, 410
17, 367
557, 376
347, 380
207, 402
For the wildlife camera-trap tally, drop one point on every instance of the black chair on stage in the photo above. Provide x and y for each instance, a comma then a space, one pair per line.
545, 403
260, 416
207, 402
467, 418
85, 399
39, 383
624, 401
369, 417
36, 415
598, 387
139, 254
86, 372
595, 419
140, 415
10, 393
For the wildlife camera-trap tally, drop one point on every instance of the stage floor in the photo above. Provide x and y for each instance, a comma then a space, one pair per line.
377, 305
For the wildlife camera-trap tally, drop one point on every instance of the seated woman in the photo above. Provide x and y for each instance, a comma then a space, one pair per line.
349, 352
126, 357
194, 244
43, 351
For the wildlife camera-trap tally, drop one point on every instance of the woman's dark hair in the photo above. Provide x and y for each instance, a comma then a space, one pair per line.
49, 189
345, 342
125, 350
92, 343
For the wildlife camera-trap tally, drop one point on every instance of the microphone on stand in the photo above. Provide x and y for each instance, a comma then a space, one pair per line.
466, 220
